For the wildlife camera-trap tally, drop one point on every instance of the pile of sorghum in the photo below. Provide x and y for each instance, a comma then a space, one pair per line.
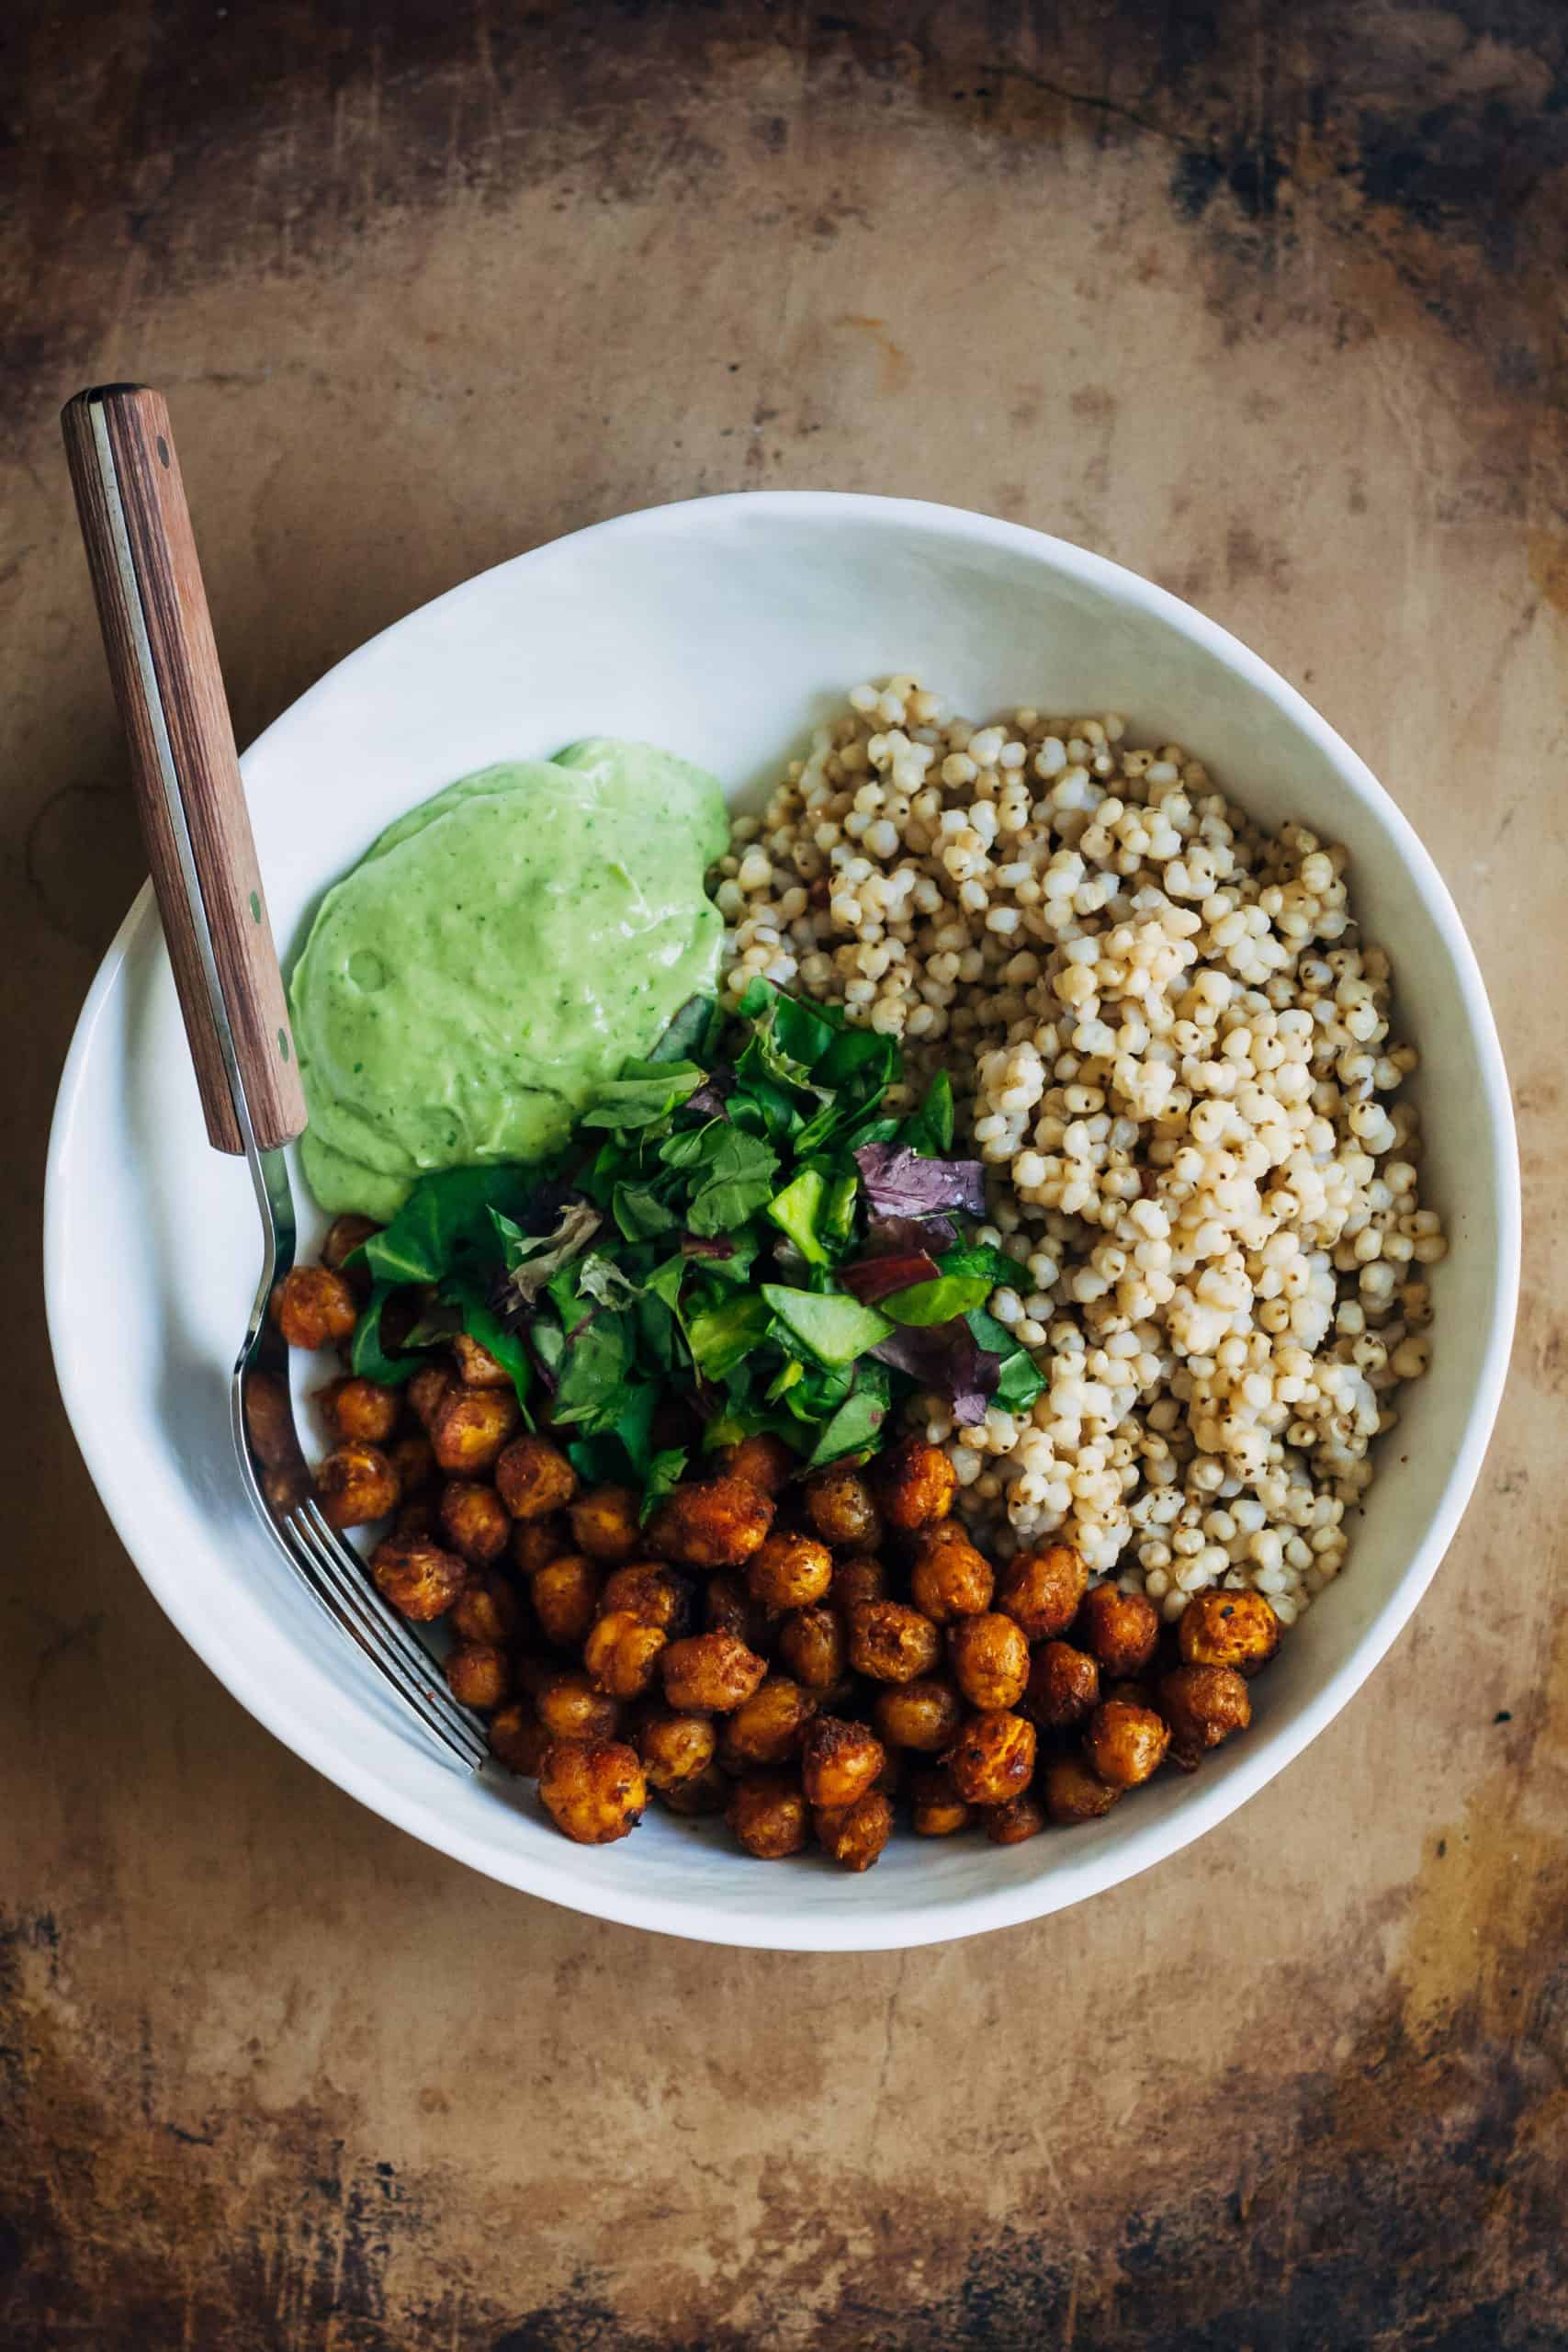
1180, 1067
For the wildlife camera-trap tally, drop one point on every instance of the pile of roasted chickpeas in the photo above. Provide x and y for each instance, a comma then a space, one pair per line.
797, 1653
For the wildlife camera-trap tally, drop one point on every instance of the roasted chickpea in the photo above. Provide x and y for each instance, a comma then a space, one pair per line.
1063, 1686
414, 1461
345, 1236
765, 1462
593, 1789
621, 1654
989, 1659
1072, 1792
915, 1484
1203, 1705
789, 1572
839, 1506
313, 1307
536, 1540
992, 1758
924, 1714
766, 1728
1234, 1629
854, 1835
1124, 1744
566, 1595
1022, 1816
1041, 1591
1121, 1628
488, 1611
361, 1409
767, 1814
570, 1707
356, 1484
476, 1368
814, 1645
950, 1579
474, 1522
427, 1390
518, 1739
839, 1760
470, 1427
269, 1419
533, 1475
652, 1592
710, 1674
890, 1780
675, 1749
706, 1793
938, 1810
857, 1579
892, 1643
417, 1577
717, 1525
605, 1525
479, 1675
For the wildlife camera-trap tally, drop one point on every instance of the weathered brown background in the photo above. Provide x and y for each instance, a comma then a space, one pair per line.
1265, 302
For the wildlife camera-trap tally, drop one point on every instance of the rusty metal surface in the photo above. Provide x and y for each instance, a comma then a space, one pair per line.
1268, 303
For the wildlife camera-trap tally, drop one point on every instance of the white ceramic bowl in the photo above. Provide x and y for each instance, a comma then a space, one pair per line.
723, 629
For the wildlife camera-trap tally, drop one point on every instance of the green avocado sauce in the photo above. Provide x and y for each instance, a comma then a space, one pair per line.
493, 959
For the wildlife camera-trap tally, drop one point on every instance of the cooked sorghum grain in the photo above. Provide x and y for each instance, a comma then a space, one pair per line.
1182, 1076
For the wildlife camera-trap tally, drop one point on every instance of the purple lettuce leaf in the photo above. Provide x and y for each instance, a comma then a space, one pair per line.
899, 1182
879, 1277
929, 1235
947, 1359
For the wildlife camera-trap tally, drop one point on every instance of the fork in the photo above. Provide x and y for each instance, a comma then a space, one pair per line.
163, 665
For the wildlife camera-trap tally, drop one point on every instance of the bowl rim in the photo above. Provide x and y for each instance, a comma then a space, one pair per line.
773, 1926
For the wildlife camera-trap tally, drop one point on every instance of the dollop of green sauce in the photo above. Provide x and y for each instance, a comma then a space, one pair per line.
493, 959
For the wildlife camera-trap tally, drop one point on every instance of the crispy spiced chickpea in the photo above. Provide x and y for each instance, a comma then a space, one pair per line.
915, 1484
1124, 1744
839, 1760
1063, 1688
474, 1522
992, 1758
675, 1749
470, 1427
313, 1307
535, 1541
344, 1236
858, 1578
518, 1739
717, 1525
413, 1458
767, 1728
789, 1572
923, 1714
854, 1835
937, 1809
621, 1654
1022, 1816
533, 1475
814, 1647
1041, 1591
654, 1593
892, 1643
487, 1610
566, 1595
361, 1409
479, 1675
356, 1484
593, 1789
269, 1419
763, 1461
710, 1673
417, 1577
767, 1814
1203, 1705
1233, 1629
989, 1659
951, 1580
427, 1390
1121, 1628
839, 1506
706, 1793
890, 1780
570, 1707
605, 1525
1072, 1792
476, 1368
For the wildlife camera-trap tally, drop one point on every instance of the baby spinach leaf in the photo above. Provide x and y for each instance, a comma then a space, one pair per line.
929, 1130
739, 1178
590, 1387
366, 1356
692, 1032
834, 1328
1018, 1381
445, 1218
979, 1258
643, 1094
930, 1303
721, 1337
639, 1211
797, 1211
664, 1474
857, 1425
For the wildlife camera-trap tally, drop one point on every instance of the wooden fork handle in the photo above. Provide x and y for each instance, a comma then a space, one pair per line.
163, 665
